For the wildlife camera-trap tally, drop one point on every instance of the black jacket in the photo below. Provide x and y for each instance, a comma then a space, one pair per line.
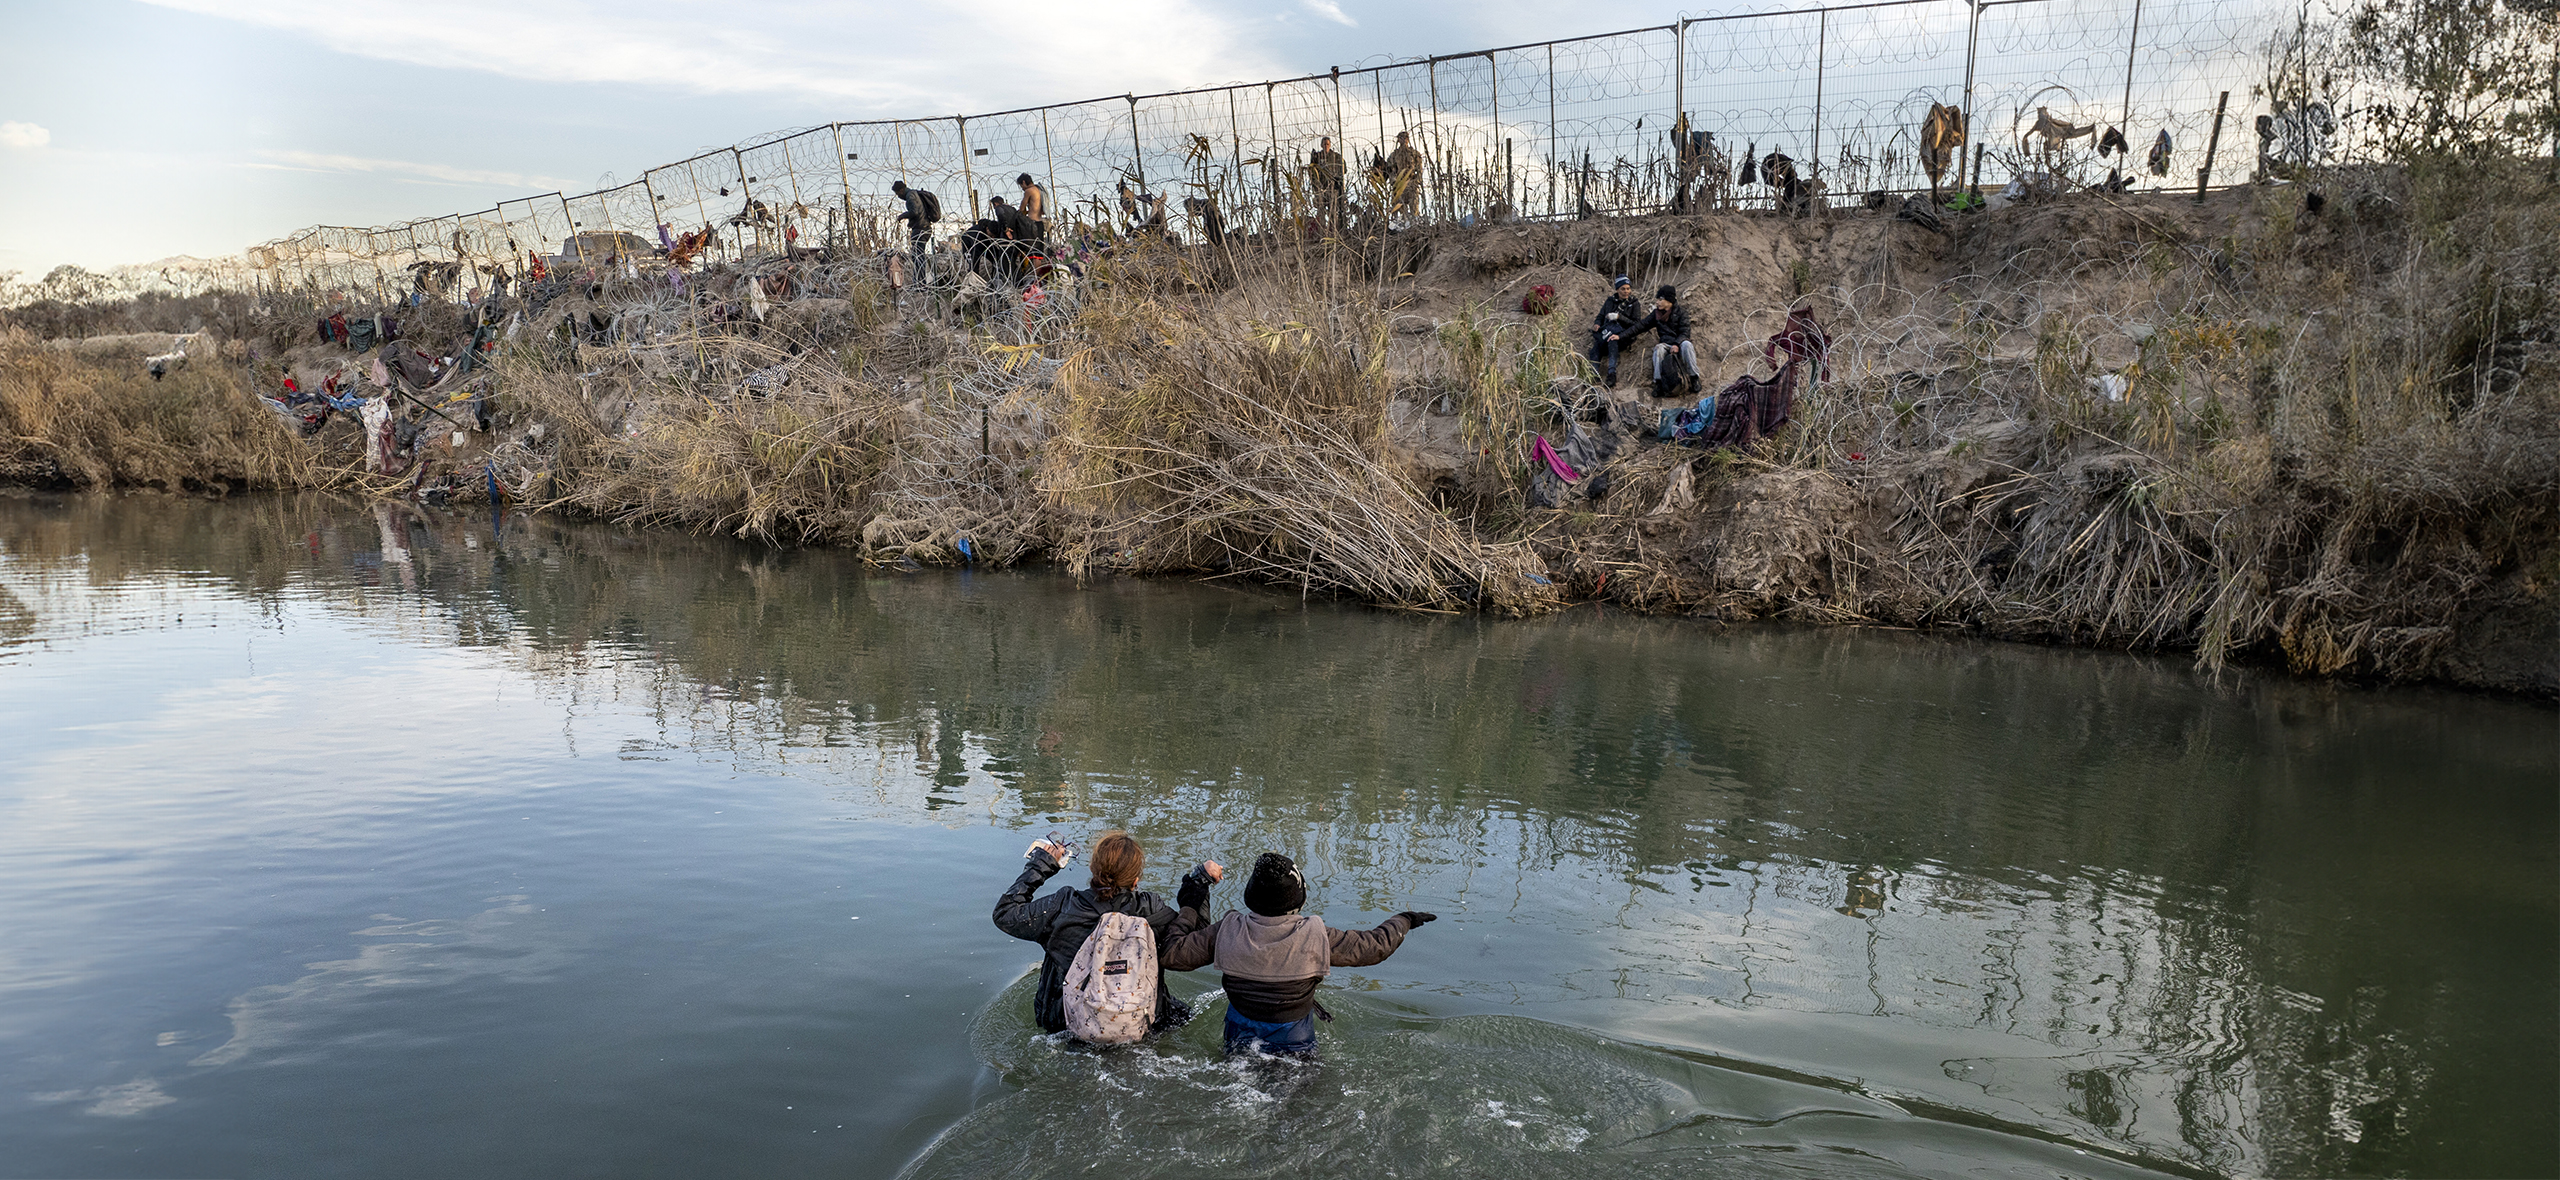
1630, 313
1668, 327
1061, 922
914, 216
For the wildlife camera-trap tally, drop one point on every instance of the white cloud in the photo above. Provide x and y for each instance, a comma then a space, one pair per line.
409, 170
24, 135
922, 58
1331, 11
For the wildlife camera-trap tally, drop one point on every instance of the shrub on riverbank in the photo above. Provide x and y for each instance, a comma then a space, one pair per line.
70, 420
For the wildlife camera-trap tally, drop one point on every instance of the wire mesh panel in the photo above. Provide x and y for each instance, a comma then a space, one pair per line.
1753, 85
1296, 118
1002, 147
1192, 147
536, 225
1629, 122
817, 187
1094, 150
1613, 110
768, 191
2048, 78
628, 209
1882, 69
2186, 54
1465, 151
937, 161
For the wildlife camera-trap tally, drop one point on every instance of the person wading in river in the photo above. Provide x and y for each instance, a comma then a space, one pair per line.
1275, 956
1061, 921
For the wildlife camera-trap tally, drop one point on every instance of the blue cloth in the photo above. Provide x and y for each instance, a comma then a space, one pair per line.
1243, 1035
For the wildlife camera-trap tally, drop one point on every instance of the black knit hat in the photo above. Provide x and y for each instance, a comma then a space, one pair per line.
1275, 887
1665, 291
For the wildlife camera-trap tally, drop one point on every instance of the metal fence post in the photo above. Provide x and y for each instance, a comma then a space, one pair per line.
1493, 85
1972, 51
968, 173
844, 179
1439, 146
1554, 142
1821, 56
1137, 149
2133, 45
1235, 143
1271, 158
746, 196
1679, 70
1049, 172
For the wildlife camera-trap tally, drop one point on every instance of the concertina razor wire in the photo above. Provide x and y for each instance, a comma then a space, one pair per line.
1666, 117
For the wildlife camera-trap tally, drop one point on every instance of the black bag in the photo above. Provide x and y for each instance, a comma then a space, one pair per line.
932, 206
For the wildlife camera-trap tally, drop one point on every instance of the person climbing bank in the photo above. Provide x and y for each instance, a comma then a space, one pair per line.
1063, 921
1274, 957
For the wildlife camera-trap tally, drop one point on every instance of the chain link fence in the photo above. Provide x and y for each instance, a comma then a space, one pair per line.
1670, 117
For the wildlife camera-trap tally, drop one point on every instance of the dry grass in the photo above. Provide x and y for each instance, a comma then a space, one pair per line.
78, 421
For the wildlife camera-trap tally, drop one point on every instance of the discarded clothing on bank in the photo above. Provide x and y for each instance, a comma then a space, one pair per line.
1540, 450
1689, 422
1801, 338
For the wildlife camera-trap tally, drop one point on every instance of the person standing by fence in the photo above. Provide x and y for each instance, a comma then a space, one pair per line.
1404, 175
1035, 206
923, 209
1324, 166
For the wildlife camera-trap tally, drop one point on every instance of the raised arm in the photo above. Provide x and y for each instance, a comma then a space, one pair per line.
1017, 913
1189, 942
1362, 948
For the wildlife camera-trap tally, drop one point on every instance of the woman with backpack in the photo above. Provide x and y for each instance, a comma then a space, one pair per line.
1135, 926
1274, 957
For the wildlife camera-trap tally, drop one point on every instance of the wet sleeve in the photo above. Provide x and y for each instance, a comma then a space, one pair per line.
1192, 949
1362, 948
1020, 916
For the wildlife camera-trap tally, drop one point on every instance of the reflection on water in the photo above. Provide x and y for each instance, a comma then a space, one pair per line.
1751, 901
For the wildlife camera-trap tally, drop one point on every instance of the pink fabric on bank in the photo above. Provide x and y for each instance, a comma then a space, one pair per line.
1554, 461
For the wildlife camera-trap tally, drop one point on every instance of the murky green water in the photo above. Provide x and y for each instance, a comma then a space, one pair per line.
342, 840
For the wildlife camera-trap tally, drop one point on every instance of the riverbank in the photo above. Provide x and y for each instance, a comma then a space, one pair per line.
2241, 428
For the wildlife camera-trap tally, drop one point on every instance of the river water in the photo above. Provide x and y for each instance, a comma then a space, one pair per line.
353, 840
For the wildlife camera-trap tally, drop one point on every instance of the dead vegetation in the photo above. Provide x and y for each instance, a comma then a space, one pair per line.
2242, 429
70, 418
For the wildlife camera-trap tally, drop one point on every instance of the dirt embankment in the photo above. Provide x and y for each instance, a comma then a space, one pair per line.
2242, 428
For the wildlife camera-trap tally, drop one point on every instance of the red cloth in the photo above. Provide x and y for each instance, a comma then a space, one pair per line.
1801, 339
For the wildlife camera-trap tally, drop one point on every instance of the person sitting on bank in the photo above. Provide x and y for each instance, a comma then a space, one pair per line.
1669, 324
1062, 921
1275, 956
1612, 326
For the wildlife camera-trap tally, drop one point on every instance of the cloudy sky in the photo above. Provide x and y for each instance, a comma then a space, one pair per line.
130, 131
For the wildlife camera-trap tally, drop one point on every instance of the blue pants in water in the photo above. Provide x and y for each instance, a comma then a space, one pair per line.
1243, 1035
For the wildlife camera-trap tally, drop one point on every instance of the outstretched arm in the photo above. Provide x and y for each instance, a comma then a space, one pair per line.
1363, 948
1189, 942
1020, 916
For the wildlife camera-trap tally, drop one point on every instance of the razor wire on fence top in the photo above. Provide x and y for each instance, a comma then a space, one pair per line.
1669, 117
